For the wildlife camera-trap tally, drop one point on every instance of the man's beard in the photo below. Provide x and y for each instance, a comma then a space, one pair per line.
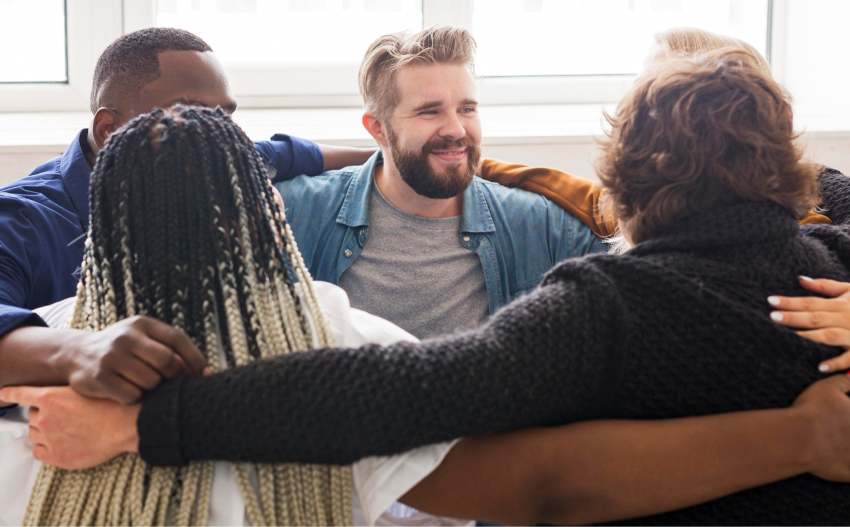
416, 171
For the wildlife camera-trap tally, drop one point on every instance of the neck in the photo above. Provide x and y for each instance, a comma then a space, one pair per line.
404, 198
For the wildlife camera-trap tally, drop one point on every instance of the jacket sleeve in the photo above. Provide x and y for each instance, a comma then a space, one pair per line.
580, 197
540, 361
291, 157
16, 255
835, 196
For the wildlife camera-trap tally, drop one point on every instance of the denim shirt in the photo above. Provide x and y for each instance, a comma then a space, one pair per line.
517, 235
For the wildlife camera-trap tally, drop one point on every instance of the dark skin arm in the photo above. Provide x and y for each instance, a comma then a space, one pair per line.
120, 362
581, 473
337, 157
605, 471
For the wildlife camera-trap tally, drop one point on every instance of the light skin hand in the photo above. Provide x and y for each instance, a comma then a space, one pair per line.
74, 432
822, 320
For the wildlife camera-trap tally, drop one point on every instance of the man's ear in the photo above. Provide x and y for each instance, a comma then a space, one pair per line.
105, 122
373, 124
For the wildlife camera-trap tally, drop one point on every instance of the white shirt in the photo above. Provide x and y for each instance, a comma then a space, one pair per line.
378, 482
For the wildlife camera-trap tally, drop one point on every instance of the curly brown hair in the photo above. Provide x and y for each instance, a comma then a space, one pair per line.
698, 133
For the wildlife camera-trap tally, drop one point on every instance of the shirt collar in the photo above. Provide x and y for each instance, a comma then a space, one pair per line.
355, 208
76, 173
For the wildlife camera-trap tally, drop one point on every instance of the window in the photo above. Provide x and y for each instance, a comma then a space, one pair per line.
301, 31
32, 33
602, 37
290, 53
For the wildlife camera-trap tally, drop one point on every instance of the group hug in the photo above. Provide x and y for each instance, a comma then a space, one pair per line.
198, 329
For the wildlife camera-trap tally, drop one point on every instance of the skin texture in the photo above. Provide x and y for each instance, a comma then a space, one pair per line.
436, 102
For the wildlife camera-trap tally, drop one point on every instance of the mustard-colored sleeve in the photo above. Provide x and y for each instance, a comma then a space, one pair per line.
576, 195
812, 218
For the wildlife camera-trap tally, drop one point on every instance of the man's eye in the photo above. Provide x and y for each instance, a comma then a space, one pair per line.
428, 112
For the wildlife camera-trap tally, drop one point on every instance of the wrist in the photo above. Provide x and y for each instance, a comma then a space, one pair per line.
806, 437
128, 441
64, 362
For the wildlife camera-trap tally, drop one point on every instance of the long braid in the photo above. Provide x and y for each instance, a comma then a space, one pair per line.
185, 228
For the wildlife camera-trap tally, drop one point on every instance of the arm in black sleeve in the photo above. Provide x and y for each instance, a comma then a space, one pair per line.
835, 196
539, 361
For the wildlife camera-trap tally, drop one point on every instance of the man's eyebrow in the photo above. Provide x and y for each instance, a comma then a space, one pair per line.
467, 102
428, 105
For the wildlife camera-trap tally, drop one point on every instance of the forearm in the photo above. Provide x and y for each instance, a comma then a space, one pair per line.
35, 356
336, 157
611, 470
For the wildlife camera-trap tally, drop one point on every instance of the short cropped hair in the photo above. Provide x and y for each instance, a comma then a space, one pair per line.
131, 62
682, 42
695, 134
383, 59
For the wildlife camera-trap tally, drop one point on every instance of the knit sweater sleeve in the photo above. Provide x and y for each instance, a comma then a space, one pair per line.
540, 361
835, 196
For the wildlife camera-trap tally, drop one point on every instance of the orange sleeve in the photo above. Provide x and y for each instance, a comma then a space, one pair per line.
577, 196
812, 218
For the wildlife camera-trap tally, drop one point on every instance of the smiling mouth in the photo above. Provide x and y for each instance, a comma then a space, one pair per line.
449, 153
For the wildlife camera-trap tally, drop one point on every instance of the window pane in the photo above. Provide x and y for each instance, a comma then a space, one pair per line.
32, 35
597, 37
290, 30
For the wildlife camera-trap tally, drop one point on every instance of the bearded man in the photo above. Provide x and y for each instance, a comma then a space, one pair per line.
413, 235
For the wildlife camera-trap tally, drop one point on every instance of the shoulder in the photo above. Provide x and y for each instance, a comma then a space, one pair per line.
43, 186
330, 181
513, 201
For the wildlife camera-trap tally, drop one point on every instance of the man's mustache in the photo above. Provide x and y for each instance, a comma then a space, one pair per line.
441, 144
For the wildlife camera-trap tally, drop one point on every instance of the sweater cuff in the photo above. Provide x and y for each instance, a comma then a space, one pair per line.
159, 425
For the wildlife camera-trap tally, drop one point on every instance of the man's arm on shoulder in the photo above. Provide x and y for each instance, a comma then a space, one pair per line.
580, 197
292, 156
604, 471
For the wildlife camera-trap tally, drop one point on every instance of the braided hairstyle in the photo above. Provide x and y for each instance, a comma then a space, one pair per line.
185, 228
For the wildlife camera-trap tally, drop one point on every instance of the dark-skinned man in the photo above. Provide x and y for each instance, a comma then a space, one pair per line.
44, 219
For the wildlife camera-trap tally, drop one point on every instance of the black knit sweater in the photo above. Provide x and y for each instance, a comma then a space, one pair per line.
677, 327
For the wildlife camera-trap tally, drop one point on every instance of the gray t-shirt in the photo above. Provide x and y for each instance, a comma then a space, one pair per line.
414, 272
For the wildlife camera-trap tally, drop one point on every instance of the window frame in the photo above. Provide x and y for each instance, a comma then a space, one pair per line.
93, 24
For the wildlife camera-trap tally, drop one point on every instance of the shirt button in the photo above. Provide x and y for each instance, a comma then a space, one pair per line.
362, 232
466, 238
348, 253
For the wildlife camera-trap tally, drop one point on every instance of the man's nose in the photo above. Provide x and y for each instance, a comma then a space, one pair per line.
452, 127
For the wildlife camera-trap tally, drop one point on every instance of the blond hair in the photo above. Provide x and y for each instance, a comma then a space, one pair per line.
683, 42
185, 228
389, 53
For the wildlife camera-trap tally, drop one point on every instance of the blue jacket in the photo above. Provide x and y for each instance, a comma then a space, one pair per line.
518, 235
44, 219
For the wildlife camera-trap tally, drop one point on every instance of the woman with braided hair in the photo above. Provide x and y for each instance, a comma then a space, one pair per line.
185, 228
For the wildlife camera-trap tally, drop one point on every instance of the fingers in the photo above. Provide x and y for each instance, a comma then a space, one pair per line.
839, 382
830, 288
114, 386
161, 359
177, 341
812, 320
840, 363
23, 395
141, 374
809, 303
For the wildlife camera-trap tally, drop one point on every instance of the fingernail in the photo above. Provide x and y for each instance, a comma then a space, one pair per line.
823, 368
776, 316
773, 300
207, 371
806, 279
